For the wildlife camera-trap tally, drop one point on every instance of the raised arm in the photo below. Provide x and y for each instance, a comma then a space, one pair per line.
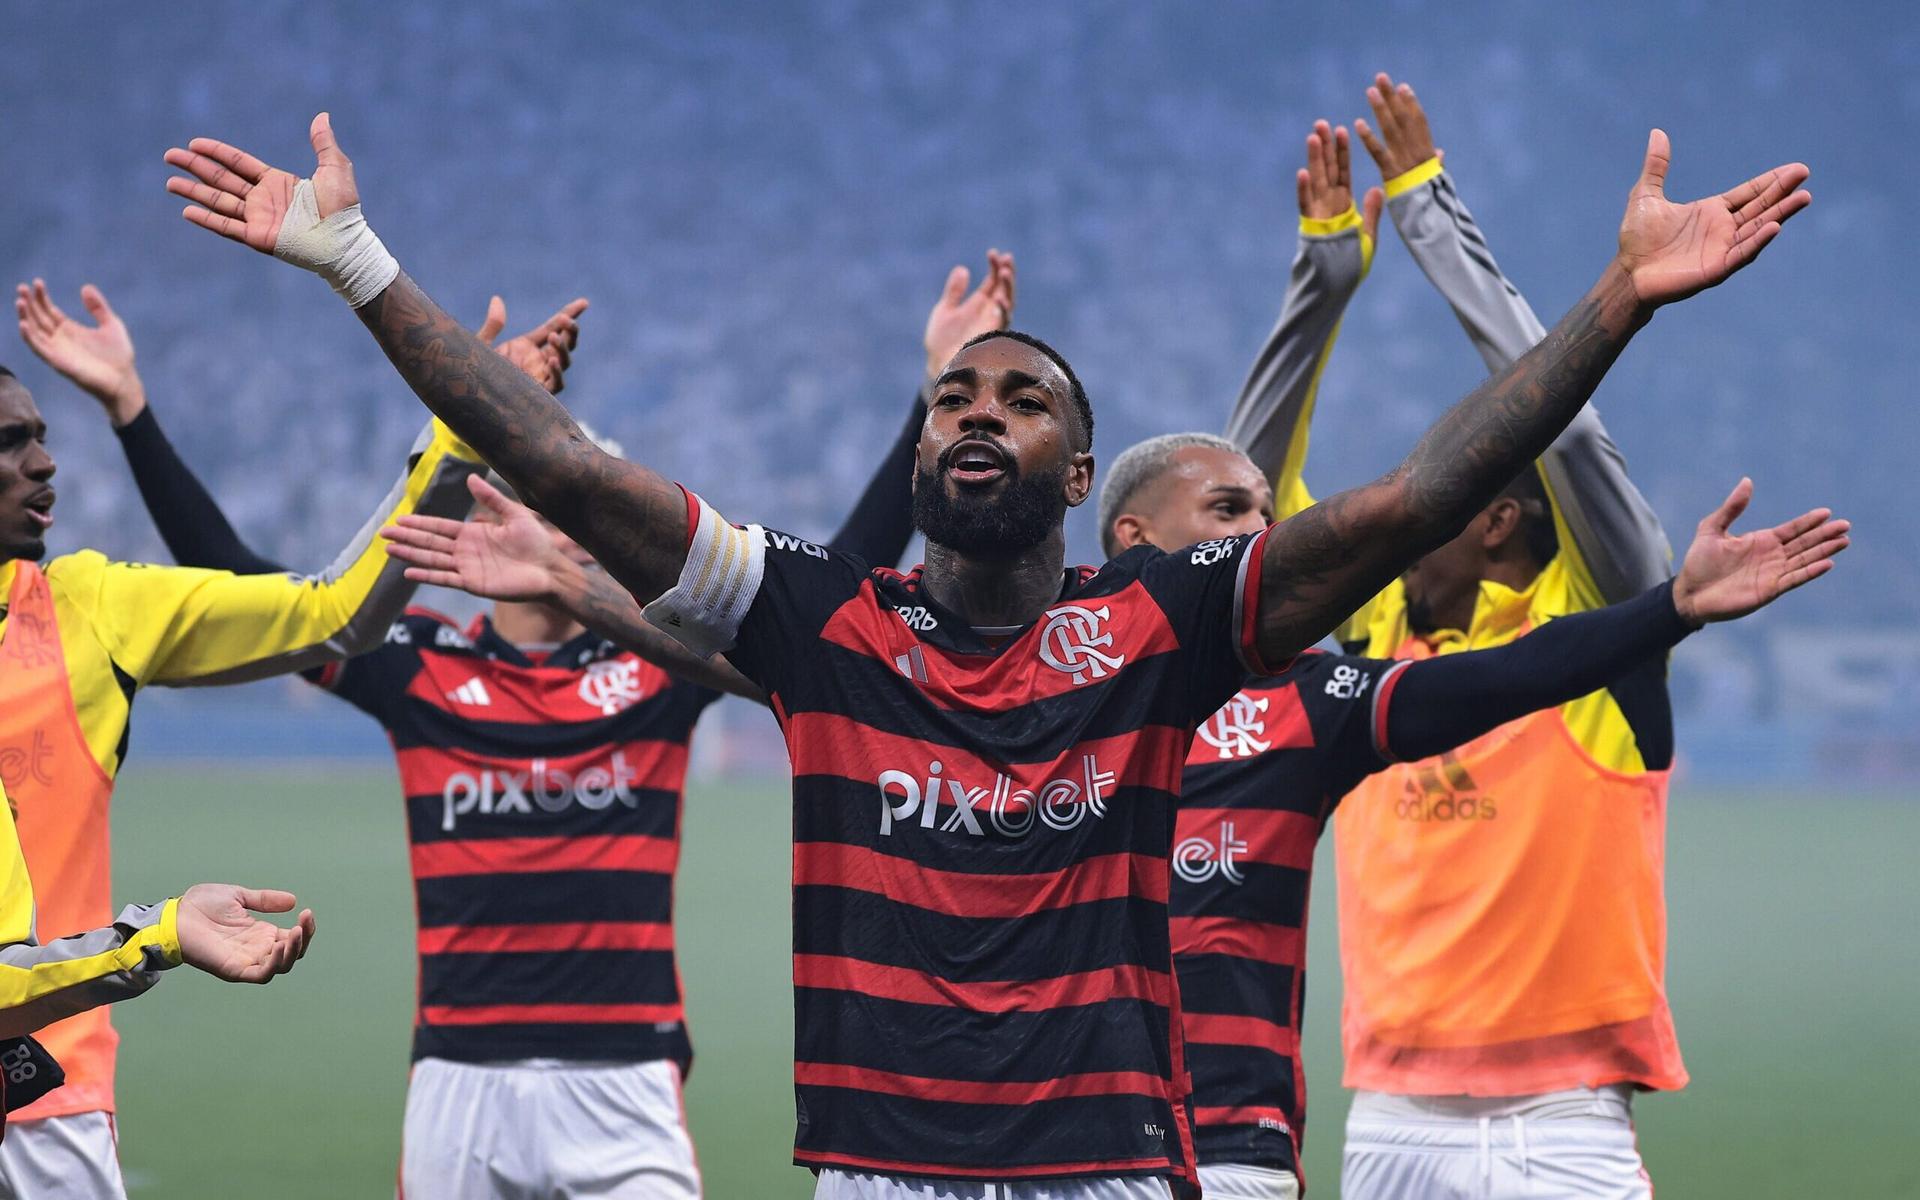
1441, 702
1610, 536
1270, 418
509, 555
631, 519
99, 360
880, 524
1320, 565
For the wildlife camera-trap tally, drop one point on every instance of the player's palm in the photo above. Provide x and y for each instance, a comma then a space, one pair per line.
219, 935
506, 558
240, 197
958, 317
1671, 251
98, 358
1727, 575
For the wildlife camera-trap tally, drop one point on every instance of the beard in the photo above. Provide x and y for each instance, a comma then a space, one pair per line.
1021, 514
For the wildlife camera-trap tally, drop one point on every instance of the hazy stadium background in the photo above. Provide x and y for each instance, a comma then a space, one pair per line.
761, 204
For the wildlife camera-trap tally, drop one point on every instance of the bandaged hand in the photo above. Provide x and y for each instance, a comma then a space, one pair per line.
313, 223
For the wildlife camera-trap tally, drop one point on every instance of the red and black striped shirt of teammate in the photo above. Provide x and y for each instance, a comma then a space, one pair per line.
543, 798
1262, 778
983, 827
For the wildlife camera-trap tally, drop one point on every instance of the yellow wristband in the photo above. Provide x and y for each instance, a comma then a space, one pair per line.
170, 931
1328, 226
1406, 181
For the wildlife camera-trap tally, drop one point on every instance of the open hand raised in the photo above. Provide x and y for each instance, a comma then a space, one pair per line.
1325, 184
1670, 251
504, 553
958, 318
544, 352
1727, 575
239, 197
98, 358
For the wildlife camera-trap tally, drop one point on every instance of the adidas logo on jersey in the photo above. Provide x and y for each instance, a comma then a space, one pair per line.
472, 693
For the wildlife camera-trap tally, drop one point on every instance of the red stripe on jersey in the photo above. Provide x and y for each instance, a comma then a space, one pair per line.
994, 996
1272, 838
1247, 1115
826, 744
961, 1091
693, 514
946, 1171
1221, 1029
521, 780
1249, 605
1382, 700
481, 689
1241, 726
958, 894
519, 856
550, 1014
572, 935
1019, 674
1281, 945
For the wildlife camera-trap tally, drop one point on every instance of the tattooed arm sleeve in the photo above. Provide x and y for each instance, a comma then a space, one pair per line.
1318, 566
631, 519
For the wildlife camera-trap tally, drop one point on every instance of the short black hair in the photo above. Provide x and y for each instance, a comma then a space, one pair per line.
6, 374
1078, 393
1529, 491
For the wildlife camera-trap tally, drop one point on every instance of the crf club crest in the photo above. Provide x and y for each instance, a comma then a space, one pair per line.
612, 685
1239, 729
1075, 641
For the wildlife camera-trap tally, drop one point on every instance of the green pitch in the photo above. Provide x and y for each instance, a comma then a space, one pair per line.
1795, 972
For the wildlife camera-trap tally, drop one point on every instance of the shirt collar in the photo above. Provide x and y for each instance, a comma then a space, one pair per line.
1500, 613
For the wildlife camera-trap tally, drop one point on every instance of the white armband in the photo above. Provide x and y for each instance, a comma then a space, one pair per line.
717, 585
343, 249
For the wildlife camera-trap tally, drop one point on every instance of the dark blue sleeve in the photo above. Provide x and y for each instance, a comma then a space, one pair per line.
197, 533
1209, 593
1438, 703
881, 524
376, 682
801, 586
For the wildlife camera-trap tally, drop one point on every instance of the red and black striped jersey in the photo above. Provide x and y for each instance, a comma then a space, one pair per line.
983, 824
1262, 778
543, 816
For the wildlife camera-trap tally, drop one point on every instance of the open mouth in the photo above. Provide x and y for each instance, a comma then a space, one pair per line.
976, 462
39, 508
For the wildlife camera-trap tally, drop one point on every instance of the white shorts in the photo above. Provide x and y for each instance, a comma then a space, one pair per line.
537, 1128
852, 1185
1571, 1145
1236, 1181
75, 1157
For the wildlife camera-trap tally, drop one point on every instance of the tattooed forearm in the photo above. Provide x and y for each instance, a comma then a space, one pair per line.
1324, 563
511, 420
631, 519
602, 605
1510, 420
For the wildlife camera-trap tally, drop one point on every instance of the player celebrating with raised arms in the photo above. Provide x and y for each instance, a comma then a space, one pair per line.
78, 638
987, 751
543, 767
1483, 1036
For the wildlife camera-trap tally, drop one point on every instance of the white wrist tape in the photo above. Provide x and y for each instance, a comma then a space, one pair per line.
717, 585
343, 249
